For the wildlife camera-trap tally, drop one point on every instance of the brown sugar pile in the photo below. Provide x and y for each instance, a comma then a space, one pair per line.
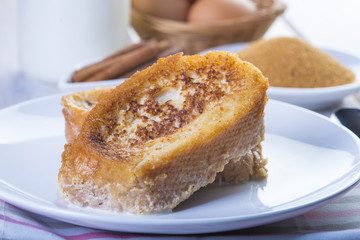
290, 62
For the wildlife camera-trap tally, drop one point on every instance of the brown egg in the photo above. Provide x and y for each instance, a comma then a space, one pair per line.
210, 11
169, 9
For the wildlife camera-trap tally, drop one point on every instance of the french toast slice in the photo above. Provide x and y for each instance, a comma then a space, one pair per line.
76, 107
164, 133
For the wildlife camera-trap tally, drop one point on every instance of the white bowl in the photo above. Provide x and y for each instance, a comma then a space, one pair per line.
311, 98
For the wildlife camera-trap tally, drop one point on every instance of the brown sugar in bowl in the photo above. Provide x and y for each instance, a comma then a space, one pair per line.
290, 62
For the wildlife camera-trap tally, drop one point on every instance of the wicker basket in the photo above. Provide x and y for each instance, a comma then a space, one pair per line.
195, 38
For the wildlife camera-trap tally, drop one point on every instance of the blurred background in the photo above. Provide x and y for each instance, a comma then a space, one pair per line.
40, 39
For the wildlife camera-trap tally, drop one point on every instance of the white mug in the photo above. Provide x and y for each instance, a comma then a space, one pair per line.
55, 35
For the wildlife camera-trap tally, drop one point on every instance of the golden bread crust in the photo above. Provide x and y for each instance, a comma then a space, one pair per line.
76, 107
139, 153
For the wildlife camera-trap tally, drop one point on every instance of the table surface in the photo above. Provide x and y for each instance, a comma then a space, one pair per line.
327, 23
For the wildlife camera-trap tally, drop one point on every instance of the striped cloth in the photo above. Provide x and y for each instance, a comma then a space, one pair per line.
339, 219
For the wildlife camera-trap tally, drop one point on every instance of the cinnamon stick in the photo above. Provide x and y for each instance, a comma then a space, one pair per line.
165, 53
123, 63
127, 49
84, 73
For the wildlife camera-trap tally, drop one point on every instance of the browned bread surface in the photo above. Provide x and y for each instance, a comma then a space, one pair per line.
164, 133
76, 107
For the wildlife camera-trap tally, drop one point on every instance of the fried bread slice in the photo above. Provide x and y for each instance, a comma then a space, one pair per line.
76, 106
164, 133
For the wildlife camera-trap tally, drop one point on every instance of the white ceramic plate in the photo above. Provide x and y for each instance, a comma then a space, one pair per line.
312, 98
310, 161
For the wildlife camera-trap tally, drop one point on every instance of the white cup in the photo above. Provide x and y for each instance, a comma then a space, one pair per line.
55, 35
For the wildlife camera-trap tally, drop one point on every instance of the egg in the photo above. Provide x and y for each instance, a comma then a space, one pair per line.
169, 9
211, 11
